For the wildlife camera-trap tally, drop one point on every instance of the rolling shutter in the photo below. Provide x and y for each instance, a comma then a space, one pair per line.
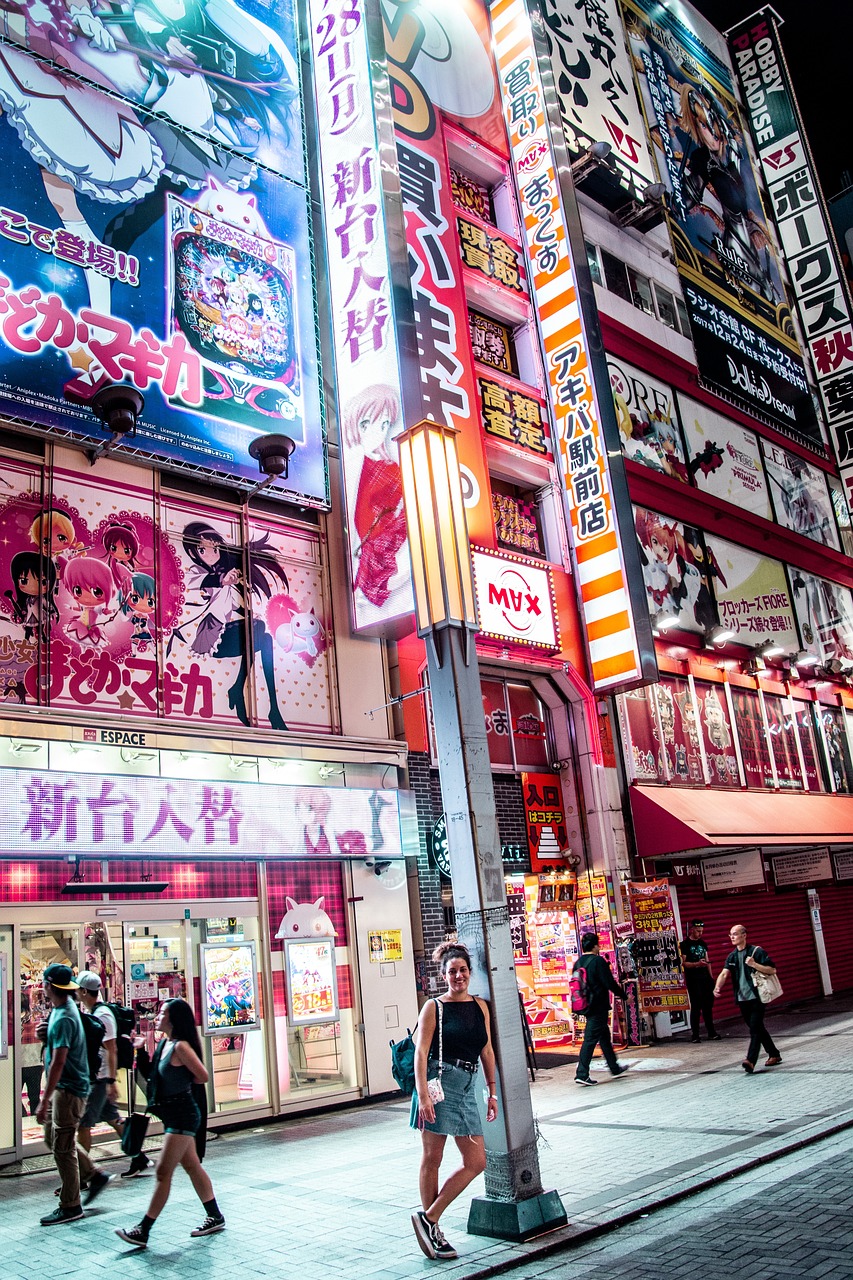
836, 917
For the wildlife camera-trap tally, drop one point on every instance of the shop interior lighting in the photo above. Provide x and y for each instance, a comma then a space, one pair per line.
79, 887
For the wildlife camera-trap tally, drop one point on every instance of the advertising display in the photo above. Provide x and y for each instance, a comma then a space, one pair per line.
825, 616
440, 64
735, 296
364, 330
678, 571
385, 944
655, 951
731, 872
312, 981
545, 818
514, 418
800, 495
723, 458
229, 983
679, 729
618, 643
802, 220
592, 75
141, 150
515, 599
752, 736
116, 601
717, 731
48, 812
648, 422
806, 866
752, 595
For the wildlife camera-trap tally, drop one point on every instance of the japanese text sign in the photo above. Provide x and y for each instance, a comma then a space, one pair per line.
515, 599
655, 951
588, 493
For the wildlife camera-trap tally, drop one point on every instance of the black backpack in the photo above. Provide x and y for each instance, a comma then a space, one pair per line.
125, 1028
93, 1030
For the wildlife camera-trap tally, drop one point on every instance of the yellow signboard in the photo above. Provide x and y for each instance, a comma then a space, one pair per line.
385, 944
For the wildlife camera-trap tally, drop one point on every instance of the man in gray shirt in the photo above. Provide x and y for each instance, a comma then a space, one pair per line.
740, 965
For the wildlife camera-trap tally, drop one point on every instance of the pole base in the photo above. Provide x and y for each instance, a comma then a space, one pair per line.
516, 1219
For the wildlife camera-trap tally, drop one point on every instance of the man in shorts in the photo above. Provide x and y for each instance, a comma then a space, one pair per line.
101, 1104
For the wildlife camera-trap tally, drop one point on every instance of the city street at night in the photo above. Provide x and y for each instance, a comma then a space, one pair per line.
332, 1195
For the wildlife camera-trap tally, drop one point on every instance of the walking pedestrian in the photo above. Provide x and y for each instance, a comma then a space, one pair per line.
741, 964
453, 1036
175, 1067
63, 1101
600, 982
101, 1104
700, 984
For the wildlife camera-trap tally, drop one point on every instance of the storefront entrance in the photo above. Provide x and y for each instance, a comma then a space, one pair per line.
141, 962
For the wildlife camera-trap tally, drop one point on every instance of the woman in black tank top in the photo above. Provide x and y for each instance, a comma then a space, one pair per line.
453, 1036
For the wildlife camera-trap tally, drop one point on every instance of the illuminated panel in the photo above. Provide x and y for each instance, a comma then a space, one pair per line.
364, 333
515, 599
601, 577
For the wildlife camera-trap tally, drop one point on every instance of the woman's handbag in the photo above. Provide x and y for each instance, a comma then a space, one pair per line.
767, 985
435, 1089
134, 1132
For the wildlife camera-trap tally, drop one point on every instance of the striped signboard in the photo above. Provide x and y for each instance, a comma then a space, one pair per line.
611, 636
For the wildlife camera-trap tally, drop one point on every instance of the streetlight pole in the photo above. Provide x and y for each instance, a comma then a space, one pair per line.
515, 1206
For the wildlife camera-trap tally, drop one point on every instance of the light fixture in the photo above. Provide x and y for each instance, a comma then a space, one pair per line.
804, 659
328, 771
718, 634
442, 575
662, 621
130, 755
592, 159
19, 748
646, 212
118, 408
834, 666
79, 887
272, 454
770, 649
236, 763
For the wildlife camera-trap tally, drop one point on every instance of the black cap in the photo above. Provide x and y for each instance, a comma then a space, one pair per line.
61, 977
697, 924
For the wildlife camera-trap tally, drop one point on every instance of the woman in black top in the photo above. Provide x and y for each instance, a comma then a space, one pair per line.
458, 1043
176, 1069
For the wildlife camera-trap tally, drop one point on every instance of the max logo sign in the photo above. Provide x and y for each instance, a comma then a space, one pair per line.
517, 603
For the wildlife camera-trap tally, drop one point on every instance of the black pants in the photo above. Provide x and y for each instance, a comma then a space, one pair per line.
31, 1081
752, 1012
597, 1032
701, 992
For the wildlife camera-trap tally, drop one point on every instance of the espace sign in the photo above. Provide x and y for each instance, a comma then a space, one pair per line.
515, 599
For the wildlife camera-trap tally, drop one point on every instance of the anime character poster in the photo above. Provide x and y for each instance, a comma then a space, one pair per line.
735, 296
716, 728
312, 987
752, 596
800, 495
229, 976
103, 607
156, 229
723, 458
825, 616
678, 571
648, 420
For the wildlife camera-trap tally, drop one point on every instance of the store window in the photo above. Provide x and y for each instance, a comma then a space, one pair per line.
783, 742
718, 734
754, 748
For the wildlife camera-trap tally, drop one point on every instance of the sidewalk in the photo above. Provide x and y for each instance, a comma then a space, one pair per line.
332, 1195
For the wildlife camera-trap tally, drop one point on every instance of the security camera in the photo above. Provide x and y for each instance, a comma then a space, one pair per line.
272, 454
118, 407
380, 865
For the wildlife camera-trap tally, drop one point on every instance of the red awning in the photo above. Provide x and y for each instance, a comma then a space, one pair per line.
678, 819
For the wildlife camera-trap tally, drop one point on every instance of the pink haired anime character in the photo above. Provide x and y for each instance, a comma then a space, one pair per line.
121, 544
371, 421
90, 584
660, 543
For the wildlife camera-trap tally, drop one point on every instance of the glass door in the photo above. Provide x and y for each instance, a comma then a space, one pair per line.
39, 947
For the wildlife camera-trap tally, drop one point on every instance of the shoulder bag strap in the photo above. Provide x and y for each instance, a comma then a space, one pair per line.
440, 1011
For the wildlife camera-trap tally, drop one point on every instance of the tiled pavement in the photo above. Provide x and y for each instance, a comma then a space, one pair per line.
330, 1196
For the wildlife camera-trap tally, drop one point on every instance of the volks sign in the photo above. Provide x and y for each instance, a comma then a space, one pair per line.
515, 599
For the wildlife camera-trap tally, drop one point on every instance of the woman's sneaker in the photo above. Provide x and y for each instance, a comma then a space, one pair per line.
133, 1235
443, 1249
138, 1165
209, 1227
423, 1231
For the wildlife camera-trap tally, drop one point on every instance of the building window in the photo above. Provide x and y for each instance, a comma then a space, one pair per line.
616, 276
517, 520
641, 291
594, 264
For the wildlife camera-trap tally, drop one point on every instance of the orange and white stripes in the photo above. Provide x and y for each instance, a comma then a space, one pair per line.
587, 490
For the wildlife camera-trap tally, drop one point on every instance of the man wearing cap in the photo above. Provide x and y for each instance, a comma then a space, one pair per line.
700, 984
64, 1099
101, 1105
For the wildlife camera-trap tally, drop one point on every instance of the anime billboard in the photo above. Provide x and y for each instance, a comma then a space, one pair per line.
735, 296
678, 571
800, 495
825, 615
723, 458
648, 420
752, 596
117, 602
157, 233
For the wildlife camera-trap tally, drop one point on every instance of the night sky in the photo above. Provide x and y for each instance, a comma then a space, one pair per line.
817, 38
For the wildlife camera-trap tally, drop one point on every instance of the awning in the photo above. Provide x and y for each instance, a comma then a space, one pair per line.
680, 820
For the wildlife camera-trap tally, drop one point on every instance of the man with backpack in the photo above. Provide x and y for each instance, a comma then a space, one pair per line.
592, 982
101, 1106
67, 1084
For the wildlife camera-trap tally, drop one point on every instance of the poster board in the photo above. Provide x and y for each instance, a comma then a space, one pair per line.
661, 977
229, 984
312, 983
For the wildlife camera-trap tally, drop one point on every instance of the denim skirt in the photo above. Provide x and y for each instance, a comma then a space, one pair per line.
458, 1116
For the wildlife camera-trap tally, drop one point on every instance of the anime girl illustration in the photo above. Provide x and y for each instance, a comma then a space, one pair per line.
53, 533
121, 544
138, 603
33, 589
660, 543
371, 421
713, 166
312, 809
220, 626
715, 721
90, 584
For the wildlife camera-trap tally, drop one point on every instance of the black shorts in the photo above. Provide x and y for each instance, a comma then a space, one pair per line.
179, 1114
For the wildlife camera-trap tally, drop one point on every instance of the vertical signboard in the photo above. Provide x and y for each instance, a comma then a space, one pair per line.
364, 330
592, 75
735, 296
618, 637
803, 223
658, 960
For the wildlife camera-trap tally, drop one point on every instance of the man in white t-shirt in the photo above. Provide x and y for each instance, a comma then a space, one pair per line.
101, 1105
